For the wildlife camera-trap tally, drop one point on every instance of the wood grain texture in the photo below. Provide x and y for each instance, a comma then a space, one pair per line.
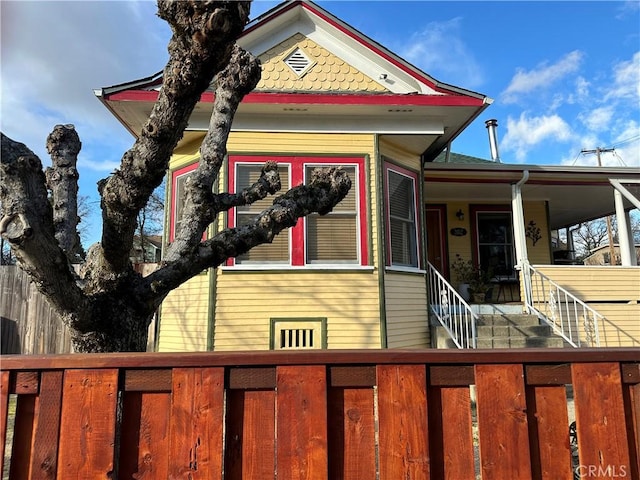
44, 459
197, 418
502, 422
4, 413
402, 411
250, 444
351, 425
301, 416
144, 442
87, 430
22, 437
450, 433
549, 432
600, 417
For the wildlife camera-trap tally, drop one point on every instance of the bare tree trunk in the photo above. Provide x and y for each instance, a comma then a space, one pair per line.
109, 306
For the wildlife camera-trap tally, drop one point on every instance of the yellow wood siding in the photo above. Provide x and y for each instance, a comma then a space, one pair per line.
614, 292
399, 156
406, 310
539, 253
247, 300
184, 317
326, 73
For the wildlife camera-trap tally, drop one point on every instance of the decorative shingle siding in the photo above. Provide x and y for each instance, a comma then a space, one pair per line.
328, 72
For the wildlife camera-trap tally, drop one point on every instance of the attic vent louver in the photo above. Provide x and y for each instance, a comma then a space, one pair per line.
298, 61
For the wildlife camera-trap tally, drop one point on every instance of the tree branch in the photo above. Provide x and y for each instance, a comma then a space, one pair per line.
27, 223
326, 188
232, 84
63, 144
203, 36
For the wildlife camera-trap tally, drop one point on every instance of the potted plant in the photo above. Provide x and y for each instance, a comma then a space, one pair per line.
480, 285
464, 270
474, 282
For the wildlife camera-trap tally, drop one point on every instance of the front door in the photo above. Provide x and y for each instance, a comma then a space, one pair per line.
436, 227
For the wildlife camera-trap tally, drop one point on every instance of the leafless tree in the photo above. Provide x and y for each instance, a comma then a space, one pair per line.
108, 306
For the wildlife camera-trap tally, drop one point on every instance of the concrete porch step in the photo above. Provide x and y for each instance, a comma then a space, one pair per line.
521, 342
518, 319
518, 331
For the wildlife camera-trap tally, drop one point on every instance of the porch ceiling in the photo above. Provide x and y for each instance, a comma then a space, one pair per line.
573, 196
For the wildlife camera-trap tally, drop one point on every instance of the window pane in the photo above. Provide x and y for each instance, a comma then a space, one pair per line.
179, 200
278, 250
333, 238
402, 220
495, 242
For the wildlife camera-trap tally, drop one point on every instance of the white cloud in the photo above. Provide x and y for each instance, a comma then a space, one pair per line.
626, 80
599, 118
440, 51
543, 76
525, 133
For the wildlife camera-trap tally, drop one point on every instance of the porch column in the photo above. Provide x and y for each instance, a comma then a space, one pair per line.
519, 235
625, 236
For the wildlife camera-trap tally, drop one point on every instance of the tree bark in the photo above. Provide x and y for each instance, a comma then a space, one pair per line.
108, 306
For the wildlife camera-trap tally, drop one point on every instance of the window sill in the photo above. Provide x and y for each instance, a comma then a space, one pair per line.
290, 268
396, 269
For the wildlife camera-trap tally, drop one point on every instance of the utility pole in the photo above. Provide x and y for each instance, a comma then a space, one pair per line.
612, 250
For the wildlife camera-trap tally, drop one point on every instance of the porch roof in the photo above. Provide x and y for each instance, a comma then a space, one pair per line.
574, 194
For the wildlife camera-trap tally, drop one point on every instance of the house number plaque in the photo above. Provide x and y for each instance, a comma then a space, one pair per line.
458, 232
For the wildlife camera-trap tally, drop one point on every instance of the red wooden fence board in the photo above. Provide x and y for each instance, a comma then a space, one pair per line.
402, 413
549, 432
144, 439
197, 418
250, 446
632, 414
301, 417
600, 421
87, 430
22, 437
4, 411
351, 434
502, 422
451, 433
44, 459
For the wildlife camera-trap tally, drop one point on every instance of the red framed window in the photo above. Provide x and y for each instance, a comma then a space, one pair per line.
402, 217
338, 238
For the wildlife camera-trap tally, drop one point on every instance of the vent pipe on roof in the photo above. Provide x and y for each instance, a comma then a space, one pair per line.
492, 125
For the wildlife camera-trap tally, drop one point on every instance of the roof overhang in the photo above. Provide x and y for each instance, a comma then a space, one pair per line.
419, 113
573, 194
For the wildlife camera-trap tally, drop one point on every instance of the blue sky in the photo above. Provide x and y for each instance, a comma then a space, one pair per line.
564, 76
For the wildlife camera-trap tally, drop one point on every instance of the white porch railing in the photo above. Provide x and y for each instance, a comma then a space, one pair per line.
451, 310
570, 317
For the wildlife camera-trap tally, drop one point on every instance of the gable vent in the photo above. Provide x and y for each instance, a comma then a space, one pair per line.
298, 61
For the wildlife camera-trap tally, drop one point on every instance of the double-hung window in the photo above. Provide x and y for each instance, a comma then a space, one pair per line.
338, 238
402, 219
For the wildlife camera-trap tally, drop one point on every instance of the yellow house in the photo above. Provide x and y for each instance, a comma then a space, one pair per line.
361, 276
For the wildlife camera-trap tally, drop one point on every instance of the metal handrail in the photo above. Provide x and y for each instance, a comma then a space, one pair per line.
451, 310
570, 317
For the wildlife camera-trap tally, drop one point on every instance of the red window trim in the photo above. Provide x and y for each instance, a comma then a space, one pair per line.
296, 177
474, 210
414, 176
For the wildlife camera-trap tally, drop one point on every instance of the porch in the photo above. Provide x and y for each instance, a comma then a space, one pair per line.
375, 414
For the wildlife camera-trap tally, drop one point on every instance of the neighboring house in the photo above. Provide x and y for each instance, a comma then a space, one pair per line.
602, 255
356, 278
146, 249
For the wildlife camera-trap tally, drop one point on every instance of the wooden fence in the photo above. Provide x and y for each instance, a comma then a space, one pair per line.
29, 325
364, 414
